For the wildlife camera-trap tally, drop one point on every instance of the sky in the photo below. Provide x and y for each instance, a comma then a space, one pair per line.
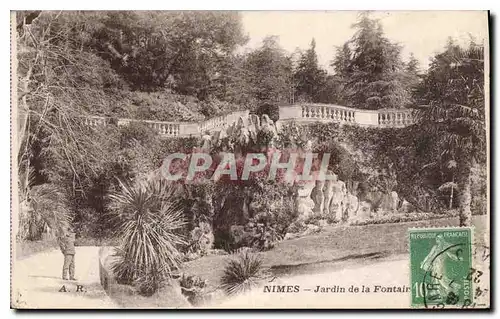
422, 33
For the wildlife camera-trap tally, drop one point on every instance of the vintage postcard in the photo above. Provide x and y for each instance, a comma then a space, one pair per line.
250, 160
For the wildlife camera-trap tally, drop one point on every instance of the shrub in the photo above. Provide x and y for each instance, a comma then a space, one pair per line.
254, 235
400, 218
272, 110
193, 288
147, 221
48, 207
242, 274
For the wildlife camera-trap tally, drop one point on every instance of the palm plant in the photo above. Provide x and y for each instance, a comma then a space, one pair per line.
454, 114
46, 205
148, 222
241, 274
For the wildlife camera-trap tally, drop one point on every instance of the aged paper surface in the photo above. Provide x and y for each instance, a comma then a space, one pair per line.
179, 159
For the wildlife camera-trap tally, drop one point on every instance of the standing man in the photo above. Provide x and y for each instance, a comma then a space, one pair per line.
67, 244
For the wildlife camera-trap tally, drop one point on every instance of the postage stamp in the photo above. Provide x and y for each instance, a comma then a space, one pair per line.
441, 261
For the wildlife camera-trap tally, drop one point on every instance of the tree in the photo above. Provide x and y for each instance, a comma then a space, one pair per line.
411, 75
150, 49
412, 66
309, 77
60, 83
371, 68
269, 72
453, 115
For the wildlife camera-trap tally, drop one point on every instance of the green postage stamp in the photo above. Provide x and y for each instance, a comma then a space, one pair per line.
441, 261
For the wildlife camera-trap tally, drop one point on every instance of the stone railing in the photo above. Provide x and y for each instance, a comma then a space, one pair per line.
344, 115
95, 121
166, 129
301, 113
395, 118
219, 122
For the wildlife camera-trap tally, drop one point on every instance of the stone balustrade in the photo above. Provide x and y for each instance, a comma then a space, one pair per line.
395, 118
308, 112
301, 113
169, 129
333, 113
220, 122
95, 121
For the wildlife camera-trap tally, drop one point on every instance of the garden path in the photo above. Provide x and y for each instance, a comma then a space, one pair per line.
39, 284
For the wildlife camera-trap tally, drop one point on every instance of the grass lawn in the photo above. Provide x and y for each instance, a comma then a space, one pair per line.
333, 246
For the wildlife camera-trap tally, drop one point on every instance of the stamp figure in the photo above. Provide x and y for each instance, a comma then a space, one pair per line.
440, 261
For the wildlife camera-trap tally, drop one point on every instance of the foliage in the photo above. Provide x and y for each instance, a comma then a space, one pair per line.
242, 274
309, 77
193, 288
371, 68
48, 206
270, 109
400, 218
269, 72
454, 116
148, 222
180, 50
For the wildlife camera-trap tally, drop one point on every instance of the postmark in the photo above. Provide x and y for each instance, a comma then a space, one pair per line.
440, 267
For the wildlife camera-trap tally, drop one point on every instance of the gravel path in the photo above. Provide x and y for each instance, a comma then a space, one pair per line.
37, 282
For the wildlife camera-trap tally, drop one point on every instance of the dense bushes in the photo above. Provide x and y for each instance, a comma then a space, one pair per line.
272, 110
409, 217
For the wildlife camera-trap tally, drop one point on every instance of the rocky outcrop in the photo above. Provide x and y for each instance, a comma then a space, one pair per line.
352, 207
325, 199
304, 204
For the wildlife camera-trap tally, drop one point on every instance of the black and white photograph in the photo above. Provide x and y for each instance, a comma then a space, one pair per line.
250, 159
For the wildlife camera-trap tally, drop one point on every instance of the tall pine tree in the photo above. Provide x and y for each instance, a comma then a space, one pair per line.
269, 73
371, 68
309, 77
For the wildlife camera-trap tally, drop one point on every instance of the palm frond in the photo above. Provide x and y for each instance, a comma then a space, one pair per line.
148, 221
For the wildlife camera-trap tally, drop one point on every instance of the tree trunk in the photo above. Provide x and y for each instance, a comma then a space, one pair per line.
465, 197
450, 206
